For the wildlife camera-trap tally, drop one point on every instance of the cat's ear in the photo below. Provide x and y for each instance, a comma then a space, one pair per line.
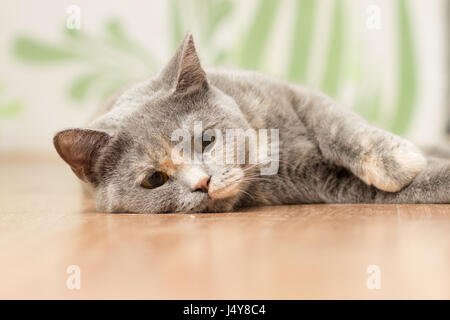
80, 149
184, 72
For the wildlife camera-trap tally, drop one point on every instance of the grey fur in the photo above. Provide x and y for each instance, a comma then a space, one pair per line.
327, 153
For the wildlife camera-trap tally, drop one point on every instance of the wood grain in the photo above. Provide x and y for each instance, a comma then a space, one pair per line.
292, 252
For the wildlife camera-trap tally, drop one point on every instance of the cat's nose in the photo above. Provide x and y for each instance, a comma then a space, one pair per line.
202, 185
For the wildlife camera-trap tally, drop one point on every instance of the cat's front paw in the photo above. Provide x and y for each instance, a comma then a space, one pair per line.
393, 166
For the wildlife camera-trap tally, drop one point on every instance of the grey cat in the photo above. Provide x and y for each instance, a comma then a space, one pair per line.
326, 153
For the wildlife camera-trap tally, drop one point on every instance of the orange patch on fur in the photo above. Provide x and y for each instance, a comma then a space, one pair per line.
168, 166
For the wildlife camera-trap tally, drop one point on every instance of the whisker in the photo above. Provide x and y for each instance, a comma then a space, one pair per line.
248, 194
256, 179
257, 164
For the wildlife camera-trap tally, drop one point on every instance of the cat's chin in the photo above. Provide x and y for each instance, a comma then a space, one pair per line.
221, 205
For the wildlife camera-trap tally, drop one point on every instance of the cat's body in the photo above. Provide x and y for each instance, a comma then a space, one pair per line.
326, 153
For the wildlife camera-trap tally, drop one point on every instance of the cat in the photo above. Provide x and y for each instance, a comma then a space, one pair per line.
326, 153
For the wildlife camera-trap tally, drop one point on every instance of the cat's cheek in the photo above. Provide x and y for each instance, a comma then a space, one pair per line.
102, 199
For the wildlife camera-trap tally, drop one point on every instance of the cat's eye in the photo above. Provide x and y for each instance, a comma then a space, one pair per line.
154, 180
207, 140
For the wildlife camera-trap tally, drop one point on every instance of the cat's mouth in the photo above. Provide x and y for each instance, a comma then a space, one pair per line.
226, 185
224, 192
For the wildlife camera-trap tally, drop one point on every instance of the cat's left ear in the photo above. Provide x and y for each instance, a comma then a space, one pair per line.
80, 148
184, 72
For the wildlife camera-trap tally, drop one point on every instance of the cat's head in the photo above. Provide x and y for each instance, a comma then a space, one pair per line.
131, 163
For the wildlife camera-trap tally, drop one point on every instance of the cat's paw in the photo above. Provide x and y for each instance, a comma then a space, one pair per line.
392, 167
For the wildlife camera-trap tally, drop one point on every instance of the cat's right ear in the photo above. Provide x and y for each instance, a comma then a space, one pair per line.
80, 148
184, 73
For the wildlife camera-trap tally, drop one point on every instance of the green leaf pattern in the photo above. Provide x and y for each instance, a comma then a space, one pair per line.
112, 59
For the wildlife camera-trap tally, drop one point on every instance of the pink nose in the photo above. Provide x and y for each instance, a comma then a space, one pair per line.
202, 185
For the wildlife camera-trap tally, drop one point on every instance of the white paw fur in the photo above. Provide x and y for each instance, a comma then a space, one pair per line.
409, 163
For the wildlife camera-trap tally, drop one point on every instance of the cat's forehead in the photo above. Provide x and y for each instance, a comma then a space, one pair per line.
153, 124
157, 115
161, 111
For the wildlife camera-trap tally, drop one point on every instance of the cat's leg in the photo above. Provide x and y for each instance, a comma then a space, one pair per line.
432, 185
334, 184
377, 157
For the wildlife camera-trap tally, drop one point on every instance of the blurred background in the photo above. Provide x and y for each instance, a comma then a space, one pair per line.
386, 59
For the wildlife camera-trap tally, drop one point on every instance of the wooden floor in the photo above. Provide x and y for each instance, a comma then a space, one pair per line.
292, 252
